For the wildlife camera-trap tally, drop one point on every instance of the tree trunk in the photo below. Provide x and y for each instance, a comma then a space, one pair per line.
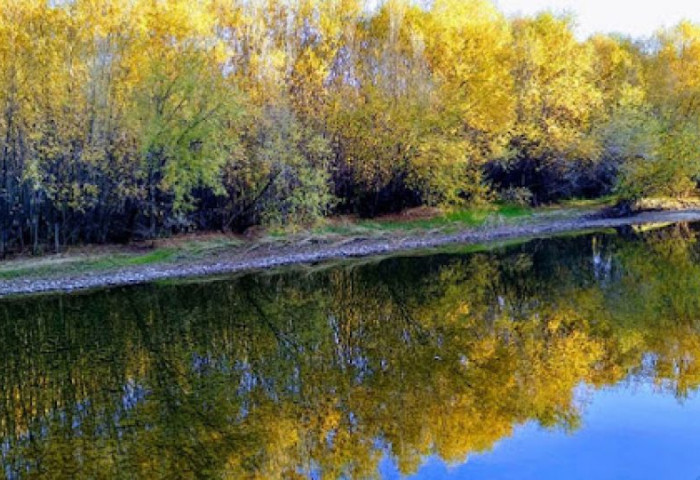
35, 235
57, 243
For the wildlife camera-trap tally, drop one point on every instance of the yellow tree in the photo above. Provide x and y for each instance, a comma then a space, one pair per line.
555, 90
467, 49
673, 90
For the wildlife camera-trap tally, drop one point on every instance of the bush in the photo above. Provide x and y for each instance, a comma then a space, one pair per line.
516, 196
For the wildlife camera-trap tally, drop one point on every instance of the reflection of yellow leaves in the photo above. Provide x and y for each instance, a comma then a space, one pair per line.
329, 423
483, 349
461, 310
430, 386
632, 341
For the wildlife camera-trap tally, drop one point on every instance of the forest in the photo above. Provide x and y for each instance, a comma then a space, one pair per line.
132, 119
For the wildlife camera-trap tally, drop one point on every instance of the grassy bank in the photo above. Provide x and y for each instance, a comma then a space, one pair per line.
215, 255
203, 247
78, 260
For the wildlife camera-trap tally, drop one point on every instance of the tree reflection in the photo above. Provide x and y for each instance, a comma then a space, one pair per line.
323, 373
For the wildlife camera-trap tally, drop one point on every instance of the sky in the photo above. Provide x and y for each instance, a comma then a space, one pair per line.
638, 18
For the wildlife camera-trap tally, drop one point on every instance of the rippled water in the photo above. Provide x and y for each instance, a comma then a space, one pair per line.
564, 358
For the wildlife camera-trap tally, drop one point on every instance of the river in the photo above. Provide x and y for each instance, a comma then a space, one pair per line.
571, 357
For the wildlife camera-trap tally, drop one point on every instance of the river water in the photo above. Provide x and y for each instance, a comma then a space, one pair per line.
574, 357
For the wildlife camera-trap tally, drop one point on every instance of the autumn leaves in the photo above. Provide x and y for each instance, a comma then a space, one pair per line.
123, 118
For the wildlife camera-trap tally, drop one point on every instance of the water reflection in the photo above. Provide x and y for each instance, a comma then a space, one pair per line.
328, 374
634, 433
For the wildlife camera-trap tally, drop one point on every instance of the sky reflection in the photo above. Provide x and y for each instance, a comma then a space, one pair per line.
626, 431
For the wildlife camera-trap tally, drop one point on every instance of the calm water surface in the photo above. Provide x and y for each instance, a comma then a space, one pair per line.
566, 358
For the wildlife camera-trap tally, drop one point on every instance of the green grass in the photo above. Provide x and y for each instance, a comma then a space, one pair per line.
81, 264
158, 255
67, 265
449, 220
589, 202
201, 247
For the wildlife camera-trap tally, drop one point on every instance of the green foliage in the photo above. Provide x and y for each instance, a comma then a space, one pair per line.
300, 190
292, 162
666, 161
181, 118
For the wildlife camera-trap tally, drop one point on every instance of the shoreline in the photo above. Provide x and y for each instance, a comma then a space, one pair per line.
301, 253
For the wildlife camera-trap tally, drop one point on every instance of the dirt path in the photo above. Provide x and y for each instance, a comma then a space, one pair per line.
269, 257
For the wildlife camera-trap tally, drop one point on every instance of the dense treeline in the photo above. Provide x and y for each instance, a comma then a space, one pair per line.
134, 118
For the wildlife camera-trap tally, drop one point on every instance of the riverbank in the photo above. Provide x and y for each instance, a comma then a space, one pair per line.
218, 255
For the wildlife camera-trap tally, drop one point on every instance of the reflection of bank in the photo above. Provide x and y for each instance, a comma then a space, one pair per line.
330, 371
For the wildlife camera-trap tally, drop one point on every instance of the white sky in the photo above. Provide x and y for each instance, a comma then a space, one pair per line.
639, 18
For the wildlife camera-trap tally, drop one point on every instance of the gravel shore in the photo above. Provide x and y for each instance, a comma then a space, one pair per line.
265, 258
